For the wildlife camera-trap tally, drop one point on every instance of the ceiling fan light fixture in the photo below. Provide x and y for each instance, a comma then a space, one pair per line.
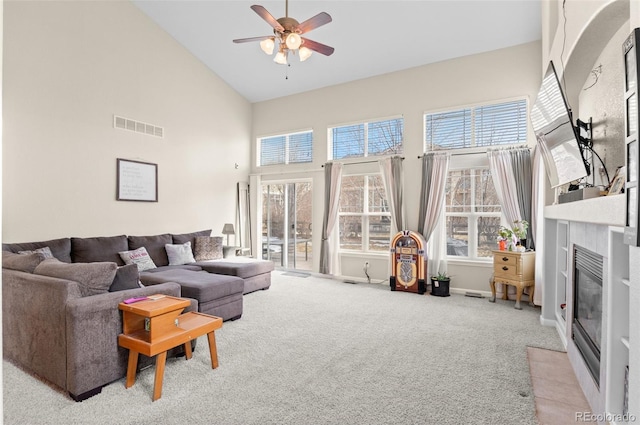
293, 41
267, 45
305, 53
281, 58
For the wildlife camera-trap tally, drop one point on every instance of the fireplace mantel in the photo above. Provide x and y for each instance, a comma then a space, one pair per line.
606, 210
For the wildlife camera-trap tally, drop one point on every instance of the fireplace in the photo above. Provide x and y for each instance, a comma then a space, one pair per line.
587, 307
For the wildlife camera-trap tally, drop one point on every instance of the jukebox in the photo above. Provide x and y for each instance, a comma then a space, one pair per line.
408, 262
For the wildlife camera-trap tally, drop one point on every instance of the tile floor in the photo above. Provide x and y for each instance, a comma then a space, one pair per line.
556, 390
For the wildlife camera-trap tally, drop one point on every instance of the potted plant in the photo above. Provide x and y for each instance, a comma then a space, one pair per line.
440, 284
504, 235
520, 228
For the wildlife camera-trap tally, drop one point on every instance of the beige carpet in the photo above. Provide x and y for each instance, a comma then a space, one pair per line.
318, 351
557, 393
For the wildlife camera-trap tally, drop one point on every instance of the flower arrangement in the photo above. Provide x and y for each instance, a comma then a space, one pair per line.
504, 233
520, 228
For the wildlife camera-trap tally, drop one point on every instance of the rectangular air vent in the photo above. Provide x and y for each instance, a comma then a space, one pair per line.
137, 126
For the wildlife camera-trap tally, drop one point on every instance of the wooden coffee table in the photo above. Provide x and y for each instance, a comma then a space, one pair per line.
154, 326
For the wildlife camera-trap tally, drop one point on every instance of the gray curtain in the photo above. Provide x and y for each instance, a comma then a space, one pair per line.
435, 167
521, 162
332, 182
393, 179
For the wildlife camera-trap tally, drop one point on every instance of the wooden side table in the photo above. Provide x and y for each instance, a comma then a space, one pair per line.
516, 269
152, 327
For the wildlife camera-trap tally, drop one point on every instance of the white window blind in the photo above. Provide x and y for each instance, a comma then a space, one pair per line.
367, 139
291, 148
481, 126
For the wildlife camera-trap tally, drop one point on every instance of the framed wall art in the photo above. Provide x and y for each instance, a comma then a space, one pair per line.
137, 181
632, 130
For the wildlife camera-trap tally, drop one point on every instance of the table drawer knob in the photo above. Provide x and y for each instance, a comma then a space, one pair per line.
505, 268
505, 258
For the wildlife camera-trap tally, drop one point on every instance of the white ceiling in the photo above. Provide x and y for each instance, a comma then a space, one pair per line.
370, 37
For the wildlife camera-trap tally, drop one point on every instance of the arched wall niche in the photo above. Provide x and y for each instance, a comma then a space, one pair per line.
589, 45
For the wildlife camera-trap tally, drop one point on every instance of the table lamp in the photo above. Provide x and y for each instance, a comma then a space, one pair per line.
228, 230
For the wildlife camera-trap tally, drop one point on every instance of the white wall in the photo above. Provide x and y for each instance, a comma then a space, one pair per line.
493, 76
68, 68
590, 26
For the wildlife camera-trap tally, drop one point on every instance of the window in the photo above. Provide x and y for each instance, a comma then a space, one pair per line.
480, 126
367, 139
364, 219
472, 213
291, 148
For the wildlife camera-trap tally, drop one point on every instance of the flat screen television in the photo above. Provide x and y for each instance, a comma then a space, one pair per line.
557, 137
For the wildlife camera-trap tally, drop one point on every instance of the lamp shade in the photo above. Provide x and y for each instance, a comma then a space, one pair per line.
293, 41
305, 52
281, 58
267, 45
228, 229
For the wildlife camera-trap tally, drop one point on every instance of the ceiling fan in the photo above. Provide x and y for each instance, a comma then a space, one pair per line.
287, 31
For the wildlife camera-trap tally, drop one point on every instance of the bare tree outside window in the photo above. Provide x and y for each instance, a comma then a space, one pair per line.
364, 219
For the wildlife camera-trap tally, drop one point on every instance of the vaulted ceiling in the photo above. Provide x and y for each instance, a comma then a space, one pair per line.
370, 37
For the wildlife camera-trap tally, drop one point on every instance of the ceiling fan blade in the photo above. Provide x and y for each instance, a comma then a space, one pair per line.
317, 47
267, 17
314, 22
246, 40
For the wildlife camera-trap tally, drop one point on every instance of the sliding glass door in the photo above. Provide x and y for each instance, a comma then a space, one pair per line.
286, 224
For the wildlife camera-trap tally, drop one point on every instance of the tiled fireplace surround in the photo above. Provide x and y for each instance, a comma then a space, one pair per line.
595, 224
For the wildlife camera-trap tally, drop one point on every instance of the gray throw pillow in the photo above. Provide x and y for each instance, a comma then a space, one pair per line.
208, 248
21, 262
179, 254
93, 278
127, 277
45, 251
140, 257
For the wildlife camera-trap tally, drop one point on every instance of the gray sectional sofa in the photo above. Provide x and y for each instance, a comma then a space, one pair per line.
60, 314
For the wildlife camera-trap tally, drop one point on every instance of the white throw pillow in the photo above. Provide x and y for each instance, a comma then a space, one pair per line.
179, 254
140, 257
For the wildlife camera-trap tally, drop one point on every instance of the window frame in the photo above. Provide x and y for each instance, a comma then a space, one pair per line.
365, 216
287, 150
470, 159
475, 149
366, 154
472, 220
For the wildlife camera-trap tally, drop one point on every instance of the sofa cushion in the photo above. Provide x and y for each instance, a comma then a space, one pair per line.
92, 250
165, 268
154, 245
61, 248
241, 266
179, 254
22, 262
190, 237
208, 248
201, 285
93, 278
140, 257
45, 251
127, 277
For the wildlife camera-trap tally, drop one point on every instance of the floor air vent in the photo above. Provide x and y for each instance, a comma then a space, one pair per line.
137, 126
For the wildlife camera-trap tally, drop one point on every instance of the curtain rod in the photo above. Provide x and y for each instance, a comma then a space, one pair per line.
361, 162
457, 154
484, 152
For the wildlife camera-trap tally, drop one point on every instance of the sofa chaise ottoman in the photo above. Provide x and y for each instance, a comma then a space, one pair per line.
217, 295
255, 273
